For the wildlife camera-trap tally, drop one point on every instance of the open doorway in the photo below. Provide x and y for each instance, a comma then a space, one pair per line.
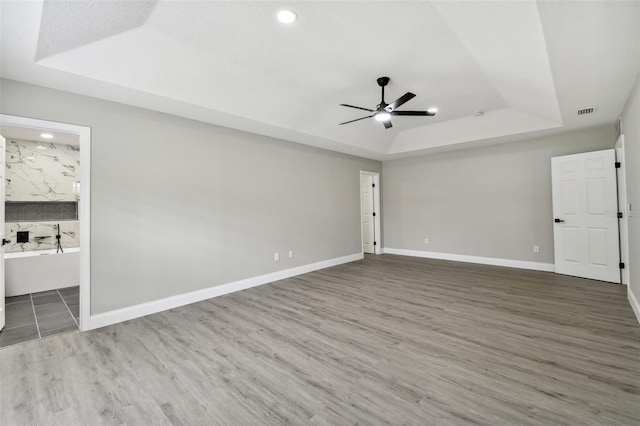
370, 212
47, 186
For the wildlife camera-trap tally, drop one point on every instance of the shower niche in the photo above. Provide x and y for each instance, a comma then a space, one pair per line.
37, 211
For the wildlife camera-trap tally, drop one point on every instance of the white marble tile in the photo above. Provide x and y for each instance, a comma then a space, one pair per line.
68, 232
34, 174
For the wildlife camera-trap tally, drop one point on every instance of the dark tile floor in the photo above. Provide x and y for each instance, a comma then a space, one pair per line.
36, 315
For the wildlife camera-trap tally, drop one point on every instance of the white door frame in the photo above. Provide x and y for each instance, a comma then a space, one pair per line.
3, 293
84, 210
377, 248
623, 206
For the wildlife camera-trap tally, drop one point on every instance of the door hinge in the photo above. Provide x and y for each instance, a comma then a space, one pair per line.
618, 164
374, 213
374, 243
621, 265
619, 215
373, 185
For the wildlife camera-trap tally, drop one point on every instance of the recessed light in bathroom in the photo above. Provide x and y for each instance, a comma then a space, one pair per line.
46, 135
41, 147
287, 16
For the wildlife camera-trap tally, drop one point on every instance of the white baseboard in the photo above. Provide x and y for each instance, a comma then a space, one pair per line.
634, 303
136, 311
536, 266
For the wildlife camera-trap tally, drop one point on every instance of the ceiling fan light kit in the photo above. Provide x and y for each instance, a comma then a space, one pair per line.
382, 116
385, 111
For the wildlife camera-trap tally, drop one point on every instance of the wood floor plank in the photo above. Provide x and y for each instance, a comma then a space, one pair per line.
386, 340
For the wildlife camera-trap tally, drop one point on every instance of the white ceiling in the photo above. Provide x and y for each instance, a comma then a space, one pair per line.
528, 65
33, 134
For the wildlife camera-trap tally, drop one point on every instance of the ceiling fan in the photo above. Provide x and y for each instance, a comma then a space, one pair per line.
385, 111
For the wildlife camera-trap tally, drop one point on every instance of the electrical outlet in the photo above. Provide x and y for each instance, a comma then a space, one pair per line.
426, 241
290, 254
276, 257
536, 249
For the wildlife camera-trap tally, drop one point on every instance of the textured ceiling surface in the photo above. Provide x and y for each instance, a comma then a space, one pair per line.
527, 65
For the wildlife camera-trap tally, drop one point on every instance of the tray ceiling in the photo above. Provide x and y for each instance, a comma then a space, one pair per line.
529, 66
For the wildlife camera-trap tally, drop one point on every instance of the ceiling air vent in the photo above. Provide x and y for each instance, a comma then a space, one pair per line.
584, 111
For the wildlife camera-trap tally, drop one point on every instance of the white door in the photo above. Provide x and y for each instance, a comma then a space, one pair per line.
623, 207
366, 209
585, 215
2, 236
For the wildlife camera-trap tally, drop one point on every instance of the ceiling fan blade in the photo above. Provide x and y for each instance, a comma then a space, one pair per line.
356, 107
357, 119
387, 124
413, 113
401, 100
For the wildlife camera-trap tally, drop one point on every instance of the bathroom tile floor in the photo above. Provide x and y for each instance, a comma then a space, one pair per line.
36, 315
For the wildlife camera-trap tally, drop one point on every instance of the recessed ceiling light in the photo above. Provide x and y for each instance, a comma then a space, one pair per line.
432, 110
382, 116
287, 16
46, 135
41, 147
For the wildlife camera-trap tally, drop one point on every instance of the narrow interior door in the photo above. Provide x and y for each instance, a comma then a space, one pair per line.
366, 209
585, 215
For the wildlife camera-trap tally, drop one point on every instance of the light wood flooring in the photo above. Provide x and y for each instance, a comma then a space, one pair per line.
386, 340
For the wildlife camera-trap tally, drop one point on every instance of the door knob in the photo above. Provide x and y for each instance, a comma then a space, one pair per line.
5, 242
558, 220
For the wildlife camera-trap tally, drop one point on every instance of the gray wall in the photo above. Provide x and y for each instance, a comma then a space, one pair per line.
631, 131
178, 205
490, 202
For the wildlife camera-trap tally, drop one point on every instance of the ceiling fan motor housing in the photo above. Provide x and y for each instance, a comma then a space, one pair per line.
383, 81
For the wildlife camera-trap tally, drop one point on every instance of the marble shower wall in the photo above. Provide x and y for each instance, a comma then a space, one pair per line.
35, 174
46, 231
